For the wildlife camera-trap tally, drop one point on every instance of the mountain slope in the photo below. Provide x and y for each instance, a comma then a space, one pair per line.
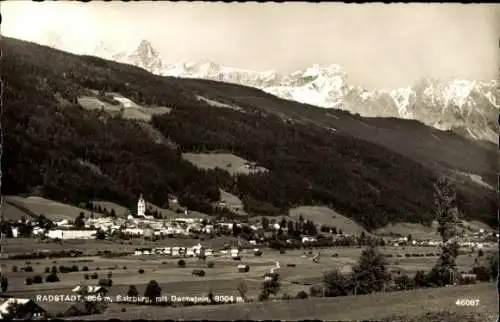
371, 182
469, 108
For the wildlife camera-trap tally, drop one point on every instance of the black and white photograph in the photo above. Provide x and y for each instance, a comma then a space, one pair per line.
247, 161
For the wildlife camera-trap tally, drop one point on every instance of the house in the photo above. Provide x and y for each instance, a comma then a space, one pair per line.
143, 251
72, 234
15, 231
22, 309
90, 290
307, 239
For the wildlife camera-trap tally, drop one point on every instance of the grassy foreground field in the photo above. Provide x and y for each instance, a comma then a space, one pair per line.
374, 306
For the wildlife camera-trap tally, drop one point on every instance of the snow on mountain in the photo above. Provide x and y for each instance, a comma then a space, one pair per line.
144, 56
464, 106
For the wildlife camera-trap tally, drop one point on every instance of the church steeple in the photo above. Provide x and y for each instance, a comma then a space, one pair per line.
141, 207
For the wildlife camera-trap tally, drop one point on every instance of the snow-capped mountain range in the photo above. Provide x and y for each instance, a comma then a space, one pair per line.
466, 106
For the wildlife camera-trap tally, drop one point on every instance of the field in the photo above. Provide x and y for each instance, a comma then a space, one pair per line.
225, 161
25, 245
327, 216
413, 303
222, 279
127, 108
417, 231
53, 210
233, 202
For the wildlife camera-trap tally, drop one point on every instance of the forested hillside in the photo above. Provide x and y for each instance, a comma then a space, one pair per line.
54, 147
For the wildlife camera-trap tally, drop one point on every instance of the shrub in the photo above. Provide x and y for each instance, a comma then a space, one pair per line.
86, 276
47, 270
420, 279
28, 269
258, 253
181, 263
335, 255
403, 282
336, 284
85, 269
483, 273
389, 255
316, 291
37, 279
123, 309
210, 264
124, 267
94, 276
110, 274
53, 270
407, 255
141, 271
198, 272
399, 255
29, 281
51, 278
105, 282
480, 253
282, 251
14, 269
302, 295
74, 268
97, 268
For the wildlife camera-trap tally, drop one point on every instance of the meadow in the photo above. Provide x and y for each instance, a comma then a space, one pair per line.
222, 279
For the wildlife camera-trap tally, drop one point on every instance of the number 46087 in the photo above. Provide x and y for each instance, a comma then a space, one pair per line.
467, 302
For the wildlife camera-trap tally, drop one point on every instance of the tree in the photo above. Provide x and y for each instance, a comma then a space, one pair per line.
113, 213
236, 229
80, 220
265, 223
243, 289
370, 274
494, 266
4, 283
100, 234
132, 291
272, 286
153, 290
290, 227
336, 284
445, 270
283, 222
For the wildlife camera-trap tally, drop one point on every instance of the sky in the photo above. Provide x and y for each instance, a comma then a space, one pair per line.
378, 45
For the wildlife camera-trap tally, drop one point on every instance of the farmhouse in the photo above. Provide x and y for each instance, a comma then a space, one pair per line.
72, 234
25, 309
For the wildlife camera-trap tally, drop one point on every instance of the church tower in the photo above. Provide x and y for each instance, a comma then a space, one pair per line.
141, 207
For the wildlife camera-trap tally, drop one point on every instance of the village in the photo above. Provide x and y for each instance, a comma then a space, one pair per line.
145, 226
